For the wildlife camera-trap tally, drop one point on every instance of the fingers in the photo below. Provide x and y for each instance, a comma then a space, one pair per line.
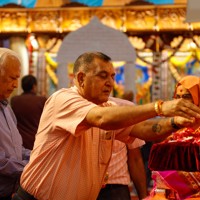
183, 122
181, 107
191, 109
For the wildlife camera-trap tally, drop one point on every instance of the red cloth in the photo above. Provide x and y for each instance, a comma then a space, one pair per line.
183, 156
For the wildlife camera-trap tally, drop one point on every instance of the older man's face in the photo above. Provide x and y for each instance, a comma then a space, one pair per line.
9, 79
99, 82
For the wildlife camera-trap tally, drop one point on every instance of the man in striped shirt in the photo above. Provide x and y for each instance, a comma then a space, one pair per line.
126, 164
77, 128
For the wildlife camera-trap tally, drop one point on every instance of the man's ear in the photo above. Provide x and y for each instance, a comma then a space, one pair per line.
80, 78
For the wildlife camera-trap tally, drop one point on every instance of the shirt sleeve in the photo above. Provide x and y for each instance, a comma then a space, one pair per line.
70, 111
123, 134
10, 166
25, 154
12, 114
136, 143
11, 163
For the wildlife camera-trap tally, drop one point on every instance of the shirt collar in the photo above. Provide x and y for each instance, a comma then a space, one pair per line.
4, 102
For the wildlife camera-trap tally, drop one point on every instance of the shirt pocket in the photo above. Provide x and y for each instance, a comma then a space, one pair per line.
105, 148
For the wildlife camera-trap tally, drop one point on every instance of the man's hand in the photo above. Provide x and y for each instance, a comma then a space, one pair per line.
183, 108
184, 122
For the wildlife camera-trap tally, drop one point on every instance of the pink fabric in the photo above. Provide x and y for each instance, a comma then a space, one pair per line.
186, 184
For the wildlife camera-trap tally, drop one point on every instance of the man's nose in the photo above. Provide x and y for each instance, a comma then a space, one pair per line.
15, 84
110, 81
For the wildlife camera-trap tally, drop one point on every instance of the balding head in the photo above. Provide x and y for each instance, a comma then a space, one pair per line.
10, 66
8, 58
85, 60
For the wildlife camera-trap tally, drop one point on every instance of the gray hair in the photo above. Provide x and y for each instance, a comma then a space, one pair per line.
6, 53
86, 59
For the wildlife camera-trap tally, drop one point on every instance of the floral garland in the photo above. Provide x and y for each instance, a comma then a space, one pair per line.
51, 67
153, 64
176, 63
181, 63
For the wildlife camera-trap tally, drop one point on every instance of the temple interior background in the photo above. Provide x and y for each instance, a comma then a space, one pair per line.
165, 45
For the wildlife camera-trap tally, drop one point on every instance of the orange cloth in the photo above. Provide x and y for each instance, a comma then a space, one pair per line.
69, 159
192, 83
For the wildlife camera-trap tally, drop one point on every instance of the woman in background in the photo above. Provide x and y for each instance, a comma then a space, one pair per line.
172, 184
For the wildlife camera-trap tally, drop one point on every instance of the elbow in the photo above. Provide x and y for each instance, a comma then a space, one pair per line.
104, 124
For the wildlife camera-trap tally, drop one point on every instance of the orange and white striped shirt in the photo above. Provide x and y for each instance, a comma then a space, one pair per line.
118, 168
69, 159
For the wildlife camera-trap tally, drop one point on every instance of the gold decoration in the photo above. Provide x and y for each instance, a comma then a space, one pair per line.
50, 61
73, 19
137, 42
112, 18
174, 72
137, 19
197, 53
158, 107
44, 21
176, 41
50, 68
13, 21
171, 18
181, 63
125, 18
52, 74
143, 91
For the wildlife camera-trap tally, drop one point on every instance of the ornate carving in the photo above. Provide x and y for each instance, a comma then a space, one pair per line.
73, 19
129, 19
173, 18
44, 21
140, 19
13, 21
113, 18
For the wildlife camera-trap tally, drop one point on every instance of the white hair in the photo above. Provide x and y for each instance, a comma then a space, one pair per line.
6, 53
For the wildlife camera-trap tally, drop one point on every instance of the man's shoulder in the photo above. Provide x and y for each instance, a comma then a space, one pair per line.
120, 102
21, 99
65, 91
65, 94
42, 98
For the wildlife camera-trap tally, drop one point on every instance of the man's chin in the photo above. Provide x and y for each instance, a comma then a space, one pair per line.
105, 99
7, 95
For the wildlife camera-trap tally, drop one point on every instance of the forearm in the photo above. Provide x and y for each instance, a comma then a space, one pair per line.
137, 172
154, 129
116, 117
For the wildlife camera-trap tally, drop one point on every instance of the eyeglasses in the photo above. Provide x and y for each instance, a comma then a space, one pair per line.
184, 96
